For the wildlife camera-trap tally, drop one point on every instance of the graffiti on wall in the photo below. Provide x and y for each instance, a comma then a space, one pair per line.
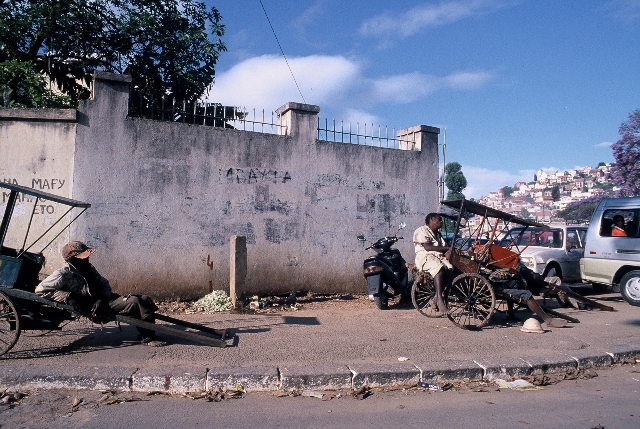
46, 185
252, 176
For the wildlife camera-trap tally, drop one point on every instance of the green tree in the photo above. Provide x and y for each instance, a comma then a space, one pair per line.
167, 46
507, 191
555, 192
525, 213
581, 210
22, 86
454, 180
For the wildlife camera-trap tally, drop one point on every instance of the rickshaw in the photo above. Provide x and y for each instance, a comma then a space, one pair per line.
480, 257
20, 308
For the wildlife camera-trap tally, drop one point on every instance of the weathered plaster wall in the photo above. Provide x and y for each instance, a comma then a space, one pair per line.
37, 150
167, 197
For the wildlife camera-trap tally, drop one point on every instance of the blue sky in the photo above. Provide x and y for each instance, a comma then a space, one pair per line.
517, 84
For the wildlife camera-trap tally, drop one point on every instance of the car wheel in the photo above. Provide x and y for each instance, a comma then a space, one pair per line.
552, 270
630, 287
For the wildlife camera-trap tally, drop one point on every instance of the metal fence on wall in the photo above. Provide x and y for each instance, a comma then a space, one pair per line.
201, 113
366, 134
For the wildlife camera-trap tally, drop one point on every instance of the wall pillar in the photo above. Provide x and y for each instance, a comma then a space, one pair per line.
237, 268
298, 120
418, 137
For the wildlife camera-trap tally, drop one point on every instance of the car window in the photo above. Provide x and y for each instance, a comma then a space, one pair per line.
552, 238
629, 228
575, 238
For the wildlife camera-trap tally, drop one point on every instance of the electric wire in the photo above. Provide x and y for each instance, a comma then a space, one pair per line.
281, 50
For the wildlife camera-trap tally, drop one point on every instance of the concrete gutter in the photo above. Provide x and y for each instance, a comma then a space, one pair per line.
183, 379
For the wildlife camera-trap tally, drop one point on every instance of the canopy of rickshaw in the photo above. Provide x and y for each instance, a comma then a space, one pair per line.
485, 211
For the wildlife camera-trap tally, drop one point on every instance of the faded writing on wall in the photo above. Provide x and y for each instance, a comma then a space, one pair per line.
250, 175
39, 184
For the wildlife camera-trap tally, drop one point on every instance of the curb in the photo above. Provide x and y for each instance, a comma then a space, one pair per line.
287, 378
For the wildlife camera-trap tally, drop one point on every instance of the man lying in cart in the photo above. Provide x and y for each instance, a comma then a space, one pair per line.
79, 284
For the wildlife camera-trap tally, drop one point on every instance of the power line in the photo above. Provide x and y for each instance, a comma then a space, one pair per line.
281, 50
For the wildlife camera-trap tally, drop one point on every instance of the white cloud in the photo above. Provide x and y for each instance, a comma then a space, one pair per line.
627, 11
335, 83
265, 82
468, 80
412, 21
603, 144
410, 87
356, 116
481, 181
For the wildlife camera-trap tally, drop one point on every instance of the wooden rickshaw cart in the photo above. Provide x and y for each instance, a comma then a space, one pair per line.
20, 308
480, 258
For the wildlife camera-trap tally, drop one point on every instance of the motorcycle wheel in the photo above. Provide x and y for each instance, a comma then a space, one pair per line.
381, 300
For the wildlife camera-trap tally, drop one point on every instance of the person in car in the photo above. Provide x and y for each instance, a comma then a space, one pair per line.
618, 227
80, 285
430, 248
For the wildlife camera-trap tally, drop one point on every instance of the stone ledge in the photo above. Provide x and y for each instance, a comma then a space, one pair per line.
60, 377
170, 380
328, 377
434, 372
587, 359
49, 115
504, 368
378, 375
255, 379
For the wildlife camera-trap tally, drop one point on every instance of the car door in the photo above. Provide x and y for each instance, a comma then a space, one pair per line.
574, 248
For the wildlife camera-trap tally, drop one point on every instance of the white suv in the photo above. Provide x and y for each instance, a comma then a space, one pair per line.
552, 251
612, 252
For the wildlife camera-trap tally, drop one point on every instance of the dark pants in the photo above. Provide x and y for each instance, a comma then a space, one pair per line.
138, 307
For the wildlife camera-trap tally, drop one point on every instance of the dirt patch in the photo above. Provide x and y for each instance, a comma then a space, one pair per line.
295, 302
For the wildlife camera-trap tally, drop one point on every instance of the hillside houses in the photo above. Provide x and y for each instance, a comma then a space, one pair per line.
550, 192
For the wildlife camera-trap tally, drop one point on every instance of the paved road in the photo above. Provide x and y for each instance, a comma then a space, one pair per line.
332, 344
608, 401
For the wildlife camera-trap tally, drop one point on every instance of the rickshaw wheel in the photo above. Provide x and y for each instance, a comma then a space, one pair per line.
422, 292
9, 324
502, 305
471, 300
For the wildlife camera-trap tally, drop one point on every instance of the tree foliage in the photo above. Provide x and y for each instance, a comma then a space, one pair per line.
22, 86
626, 172
167, 46
507, 191
581, 210
454, 180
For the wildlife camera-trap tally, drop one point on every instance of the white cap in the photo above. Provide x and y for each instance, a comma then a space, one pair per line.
532, 326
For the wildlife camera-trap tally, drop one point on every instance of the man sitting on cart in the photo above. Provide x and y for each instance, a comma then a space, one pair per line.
430, 248
79, 284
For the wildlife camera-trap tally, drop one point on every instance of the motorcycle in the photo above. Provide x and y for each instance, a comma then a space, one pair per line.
386, 272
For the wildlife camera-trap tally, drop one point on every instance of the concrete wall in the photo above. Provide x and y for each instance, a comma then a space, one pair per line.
37, 150
167, 197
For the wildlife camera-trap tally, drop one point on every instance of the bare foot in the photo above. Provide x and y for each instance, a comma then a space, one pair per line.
442, 307
556, 322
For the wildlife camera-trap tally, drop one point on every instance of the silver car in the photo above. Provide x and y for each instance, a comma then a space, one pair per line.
555, 251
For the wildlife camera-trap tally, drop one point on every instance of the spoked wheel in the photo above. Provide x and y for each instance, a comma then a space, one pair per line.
501, 275
9, 324
471, 300
422, 293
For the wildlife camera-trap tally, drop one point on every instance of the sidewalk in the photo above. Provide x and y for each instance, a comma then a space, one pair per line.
336, 344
